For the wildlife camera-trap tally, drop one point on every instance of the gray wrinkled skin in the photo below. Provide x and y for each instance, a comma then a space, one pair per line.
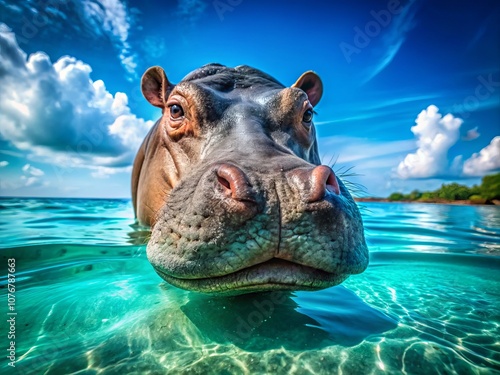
275, 238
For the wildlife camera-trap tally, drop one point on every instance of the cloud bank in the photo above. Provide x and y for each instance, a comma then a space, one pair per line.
487, 160
435, 135
60, 115
108, 19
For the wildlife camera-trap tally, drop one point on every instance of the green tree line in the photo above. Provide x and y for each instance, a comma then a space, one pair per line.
484, 193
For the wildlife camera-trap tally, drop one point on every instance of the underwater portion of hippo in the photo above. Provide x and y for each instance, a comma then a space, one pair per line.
231, 183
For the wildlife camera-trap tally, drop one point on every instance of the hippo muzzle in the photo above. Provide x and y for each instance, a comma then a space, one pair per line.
230, 181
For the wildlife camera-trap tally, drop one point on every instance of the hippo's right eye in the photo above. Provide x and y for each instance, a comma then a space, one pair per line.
176, 111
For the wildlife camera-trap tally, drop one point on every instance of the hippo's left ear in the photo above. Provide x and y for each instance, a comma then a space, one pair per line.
311, 84
155, 86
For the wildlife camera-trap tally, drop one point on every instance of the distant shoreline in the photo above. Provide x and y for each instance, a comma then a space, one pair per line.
435, 201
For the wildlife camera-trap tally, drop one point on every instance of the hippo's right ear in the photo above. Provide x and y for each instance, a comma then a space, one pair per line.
155, 86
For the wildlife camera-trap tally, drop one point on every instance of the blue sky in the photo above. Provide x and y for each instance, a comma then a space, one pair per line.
411, 88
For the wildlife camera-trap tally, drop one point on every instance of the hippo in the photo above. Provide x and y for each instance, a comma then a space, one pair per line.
230, 181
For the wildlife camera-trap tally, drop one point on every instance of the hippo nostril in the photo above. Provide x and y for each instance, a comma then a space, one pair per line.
235, 183
322, 180
313, 184
332, 184
224, 182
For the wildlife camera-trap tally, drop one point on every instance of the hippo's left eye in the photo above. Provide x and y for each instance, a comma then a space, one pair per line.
176, 111
307, 116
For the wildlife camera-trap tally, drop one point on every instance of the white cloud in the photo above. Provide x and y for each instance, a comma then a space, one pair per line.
392, 39
435, 135
29, 169
107, 19
487, 160
32, 176
471, 134
59, 115
12, 153
112, 18
4, 163
30, 181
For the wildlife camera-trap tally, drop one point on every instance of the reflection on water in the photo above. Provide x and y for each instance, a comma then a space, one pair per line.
86, 307
68, 221
432, 228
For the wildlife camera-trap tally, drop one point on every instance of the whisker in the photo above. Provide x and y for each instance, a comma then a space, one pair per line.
356, 189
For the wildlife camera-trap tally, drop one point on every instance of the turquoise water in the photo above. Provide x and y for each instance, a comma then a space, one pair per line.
88, 302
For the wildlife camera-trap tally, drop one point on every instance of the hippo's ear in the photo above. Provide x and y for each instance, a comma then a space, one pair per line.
155, 86
311, 84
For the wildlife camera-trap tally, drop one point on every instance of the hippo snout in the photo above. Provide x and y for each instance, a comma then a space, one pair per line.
231, 183
237, 229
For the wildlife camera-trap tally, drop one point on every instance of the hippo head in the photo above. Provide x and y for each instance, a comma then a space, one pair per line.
230, 181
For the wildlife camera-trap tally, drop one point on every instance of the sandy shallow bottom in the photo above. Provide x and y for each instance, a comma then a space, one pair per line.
408, 313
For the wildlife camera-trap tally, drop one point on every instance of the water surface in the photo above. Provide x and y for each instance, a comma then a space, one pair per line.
88, 302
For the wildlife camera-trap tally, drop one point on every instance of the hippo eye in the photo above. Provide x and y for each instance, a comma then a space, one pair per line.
176, 111
308, 116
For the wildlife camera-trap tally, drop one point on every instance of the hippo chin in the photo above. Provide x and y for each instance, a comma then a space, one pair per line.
230, 181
